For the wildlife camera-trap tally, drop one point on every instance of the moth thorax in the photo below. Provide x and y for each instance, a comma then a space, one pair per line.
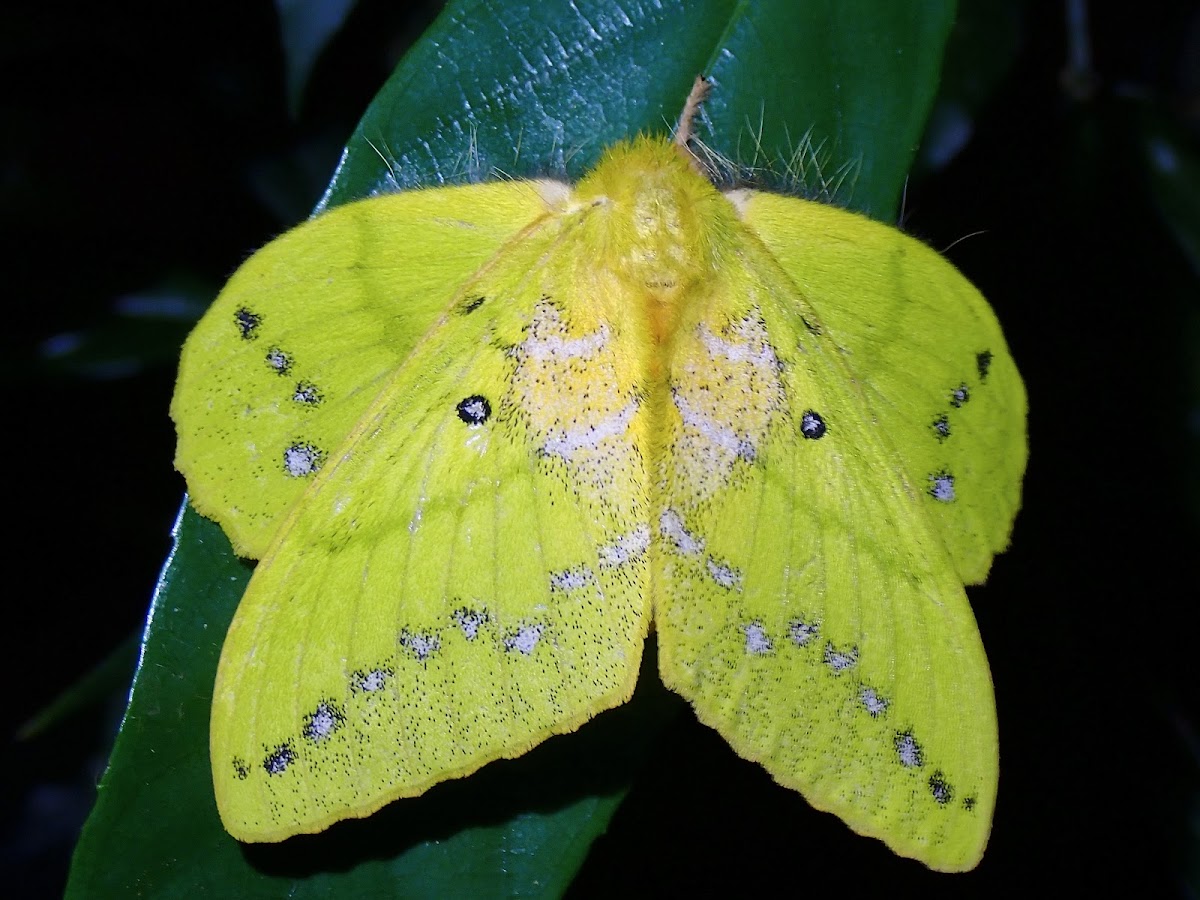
657, 256
660, 254
648, 227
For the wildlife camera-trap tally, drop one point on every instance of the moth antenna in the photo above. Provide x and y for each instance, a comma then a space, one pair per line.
684, 131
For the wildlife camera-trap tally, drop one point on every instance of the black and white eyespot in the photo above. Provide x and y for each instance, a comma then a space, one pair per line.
572, 579
959, 396
474, 410
322, 722
940, 788
840, 661
470, 621
941, 427
969, 803
983, 363
278, 759
307, 394
420, 645
941, 486
812, 426
802, 633
302, 459
370, 681
872, 702
248, 323
279, 361
524, 639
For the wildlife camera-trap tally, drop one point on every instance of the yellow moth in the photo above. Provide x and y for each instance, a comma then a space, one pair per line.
483, 438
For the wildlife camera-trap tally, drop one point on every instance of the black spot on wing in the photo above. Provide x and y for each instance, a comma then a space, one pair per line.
940, 788
941, 427
983, 362
248, 323
307, 394
812, 425
470, 304
474, 410
278, 759
279, 361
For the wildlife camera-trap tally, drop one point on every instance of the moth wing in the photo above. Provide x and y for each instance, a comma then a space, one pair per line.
928, 355
463, 577
810, 604
306, 332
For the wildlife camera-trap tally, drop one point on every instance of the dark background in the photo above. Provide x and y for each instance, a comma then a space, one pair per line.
143, 161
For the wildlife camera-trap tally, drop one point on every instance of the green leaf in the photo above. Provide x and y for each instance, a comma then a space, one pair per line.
527, 89
524, 89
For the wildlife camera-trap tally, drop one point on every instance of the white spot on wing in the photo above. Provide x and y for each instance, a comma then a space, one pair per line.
525, 638
300, 460
422, 646
908, 750
727, 392
941, 487
572, 579
547, 338
469, 621
278, 360
567, 442
803, 632
840, 662
322, 722
625, 548
724, 575
279, 759
306, 394
751, 348
872, 702
757, 642
370, 681
721, 436
670, 526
